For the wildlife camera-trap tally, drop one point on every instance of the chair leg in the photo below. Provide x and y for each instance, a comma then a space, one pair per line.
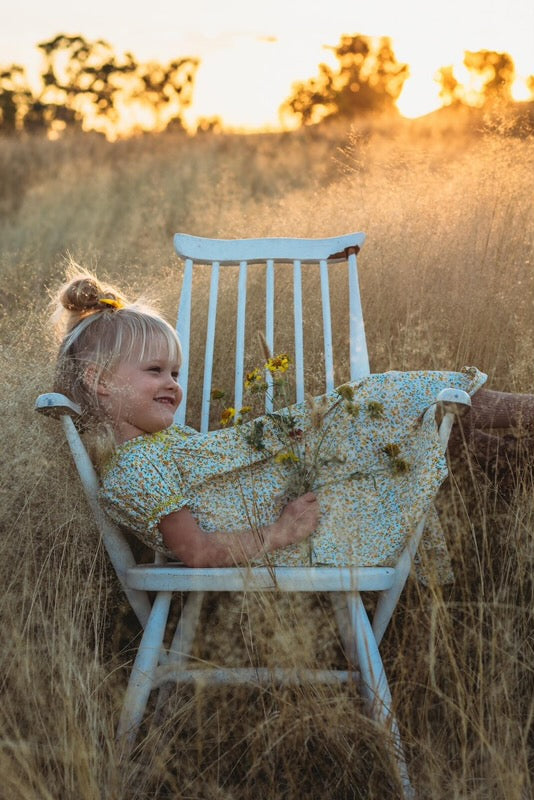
344, 626
375, 687
146, 661
182, 642
389, 598
184, 634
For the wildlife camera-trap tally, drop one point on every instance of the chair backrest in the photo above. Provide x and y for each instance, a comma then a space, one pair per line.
220, 254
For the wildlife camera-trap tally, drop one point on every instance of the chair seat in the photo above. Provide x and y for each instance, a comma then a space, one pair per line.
173, 577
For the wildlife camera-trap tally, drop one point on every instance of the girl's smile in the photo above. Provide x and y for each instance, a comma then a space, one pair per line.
141, 396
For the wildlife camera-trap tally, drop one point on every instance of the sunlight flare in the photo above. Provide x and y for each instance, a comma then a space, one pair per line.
419, 96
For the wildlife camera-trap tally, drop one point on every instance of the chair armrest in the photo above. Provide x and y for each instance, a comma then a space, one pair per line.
454, 401
57, 405
450, 403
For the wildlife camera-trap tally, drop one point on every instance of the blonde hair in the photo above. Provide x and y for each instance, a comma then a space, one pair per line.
100, 329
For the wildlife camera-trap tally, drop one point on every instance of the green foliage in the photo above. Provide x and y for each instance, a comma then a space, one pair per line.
369, 79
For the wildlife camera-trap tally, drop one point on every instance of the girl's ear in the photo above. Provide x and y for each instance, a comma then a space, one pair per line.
95, 380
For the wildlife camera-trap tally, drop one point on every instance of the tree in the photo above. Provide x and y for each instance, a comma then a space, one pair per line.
497, 72
369, 79
79, 79
209, 125
86, 83
491, 74
16, 98
167, 90
451, 90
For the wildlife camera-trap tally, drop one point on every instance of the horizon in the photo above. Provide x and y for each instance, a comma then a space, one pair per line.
251, 56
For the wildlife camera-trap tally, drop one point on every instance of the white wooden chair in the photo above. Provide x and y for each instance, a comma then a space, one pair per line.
154, 665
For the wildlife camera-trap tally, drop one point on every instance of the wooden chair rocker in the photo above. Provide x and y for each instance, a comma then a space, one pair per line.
154, 665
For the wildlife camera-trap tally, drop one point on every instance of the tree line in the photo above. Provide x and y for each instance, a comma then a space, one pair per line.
84, 84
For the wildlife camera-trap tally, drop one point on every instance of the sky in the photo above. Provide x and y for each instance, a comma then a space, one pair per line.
252, 51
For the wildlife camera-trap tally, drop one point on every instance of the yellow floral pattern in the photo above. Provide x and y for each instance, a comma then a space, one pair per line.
367, 509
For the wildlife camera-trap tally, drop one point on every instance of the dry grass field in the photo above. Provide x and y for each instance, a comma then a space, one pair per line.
447, 278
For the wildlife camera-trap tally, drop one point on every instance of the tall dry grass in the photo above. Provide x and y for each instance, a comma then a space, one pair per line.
447, 280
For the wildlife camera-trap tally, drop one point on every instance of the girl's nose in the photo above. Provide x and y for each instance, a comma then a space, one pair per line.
171, 379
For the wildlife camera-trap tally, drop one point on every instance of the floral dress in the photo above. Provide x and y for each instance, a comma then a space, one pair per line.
379, 469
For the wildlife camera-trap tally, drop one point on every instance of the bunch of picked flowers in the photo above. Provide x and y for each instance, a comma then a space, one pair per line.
307, 457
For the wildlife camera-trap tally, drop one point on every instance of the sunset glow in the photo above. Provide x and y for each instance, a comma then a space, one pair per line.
418, 97
520, 91
252, 53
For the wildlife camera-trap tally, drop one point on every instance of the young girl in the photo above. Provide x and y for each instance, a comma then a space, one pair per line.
214, 499
120, 362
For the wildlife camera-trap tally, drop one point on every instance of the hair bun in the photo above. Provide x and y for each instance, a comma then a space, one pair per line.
82, 295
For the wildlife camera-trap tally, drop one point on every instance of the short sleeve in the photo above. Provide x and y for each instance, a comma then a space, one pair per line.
141, 486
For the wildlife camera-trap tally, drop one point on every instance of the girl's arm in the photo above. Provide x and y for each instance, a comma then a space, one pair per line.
188, 542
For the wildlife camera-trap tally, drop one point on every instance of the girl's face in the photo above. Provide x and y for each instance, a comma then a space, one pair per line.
141, 395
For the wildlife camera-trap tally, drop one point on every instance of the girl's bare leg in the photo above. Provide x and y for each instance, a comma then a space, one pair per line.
502, 410
498, 431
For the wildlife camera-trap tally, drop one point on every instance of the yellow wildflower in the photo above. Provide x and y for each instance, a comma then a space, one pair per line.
242, 413
227, 415
346, 391
253, 377
375, 409
278, 363
400, 466
282, 458
352, 409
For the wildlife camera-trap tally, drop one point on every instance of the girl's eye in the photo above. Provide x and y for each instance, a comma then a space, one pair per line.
154, 369
174, 376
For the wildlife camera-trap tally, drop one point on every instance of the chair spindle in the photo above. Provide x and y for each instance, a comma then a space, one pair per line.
327, 328
210, 342
299, 346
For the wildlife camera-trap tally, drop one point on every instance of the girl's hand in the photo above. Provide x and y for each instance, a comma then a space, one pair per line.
183, 536
297, 521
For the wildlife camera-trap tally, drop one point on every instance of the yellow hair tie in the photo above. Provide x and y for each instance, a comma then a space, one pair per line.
116, 304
